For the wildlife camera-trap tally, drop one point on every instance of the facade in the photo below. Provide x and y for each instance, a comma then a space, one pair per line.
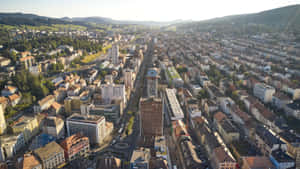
10, 145
114, 54
129, 77
27, 125
152, 82
91, 126
46, 102
2, 120
75, 146
151, 116
222, 159
109, 162
112, 92
54, 126
140, 159
281, 160
51, 155
263, 92
111, 112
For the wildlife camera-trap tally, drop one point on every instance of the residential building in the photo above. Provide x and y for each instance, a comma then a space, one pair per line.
40, 141
257, 162
112, 92
111, 112
151, 116
223, 159
54, 126
46, 102
14, 99
114, 54
140, 158
28, 161
2, 120
281, 160
152, 82
51, 155
27, 125
264, 92
10, 145
91, 126
9, 90
75, 146
4, 61
109, 162
129, 77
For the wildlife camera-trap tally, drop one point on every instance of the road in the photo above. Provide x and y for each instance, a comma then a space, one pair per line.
132, 105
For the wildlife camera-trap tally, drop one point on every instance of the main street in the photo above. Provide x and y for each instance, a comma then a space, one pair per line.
131, 140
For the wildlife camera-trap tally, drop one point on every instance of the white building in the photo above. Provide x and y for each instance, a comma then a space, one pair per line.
172, 106
263, 92
2, 120
91, 126
112, 92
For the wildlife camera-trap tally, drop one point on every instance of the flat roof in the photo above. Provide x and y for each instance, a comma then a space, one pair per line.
174, 105
85, 119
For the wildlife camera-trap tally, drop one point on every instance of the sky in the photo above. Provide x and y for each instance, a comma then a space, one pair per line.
150, 10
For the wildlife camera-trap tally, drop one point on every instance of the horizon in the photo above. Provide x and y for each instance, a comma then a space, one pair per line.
139, 11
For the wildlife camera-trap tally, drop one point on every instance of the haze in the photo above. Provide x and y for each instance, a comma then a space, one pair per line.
156, 10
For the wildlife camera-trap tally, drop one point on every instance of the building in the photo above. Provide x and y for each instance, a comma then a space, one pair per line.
257, 162
109, 162
51, 155
112, 92
28, 161
54, 126
152, 82
2, 120
151, 116
172, 106
46, 102
140, 159
114, 54
111, 112
281, 160
190, 157
9, 90
129, 77
27, 61
263, 92
173, 77
10, 145
222, 159
27, 125
41, 140
75, 146
91, 126
4, 61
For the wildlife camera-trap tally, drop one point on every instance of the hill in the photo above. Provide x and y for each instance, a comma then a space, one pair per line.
282, 19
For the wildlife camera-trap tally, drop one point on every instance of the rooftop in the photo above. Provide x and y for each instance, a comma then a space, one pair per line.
174, 105
49, 150
85, 119
259, 162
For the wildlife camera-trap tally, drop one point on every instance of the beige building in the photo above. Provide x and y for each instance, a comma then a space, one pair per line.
51, 155
2, 120
27, 125
54, 126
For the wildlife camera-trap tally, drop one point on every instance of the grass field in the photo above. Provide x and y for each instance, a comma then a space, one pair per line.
90, 58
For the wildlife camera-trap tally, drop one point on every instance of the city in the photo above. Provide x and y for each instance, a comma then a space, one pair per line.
95, 93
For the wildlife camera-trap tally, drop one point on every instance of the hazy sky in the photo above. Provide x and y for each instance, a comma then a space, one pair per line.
158, 10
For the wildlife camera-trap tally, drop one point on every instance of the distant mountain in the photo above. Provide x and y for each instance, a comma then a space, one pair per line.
36, 20
285, 19
28, 19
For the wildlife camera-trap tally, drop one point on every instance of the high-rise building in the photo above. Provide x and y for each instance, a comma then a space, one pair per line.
114, 54
152, 82
2, 120
128, 78
151, 116
112, 92
91, 126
